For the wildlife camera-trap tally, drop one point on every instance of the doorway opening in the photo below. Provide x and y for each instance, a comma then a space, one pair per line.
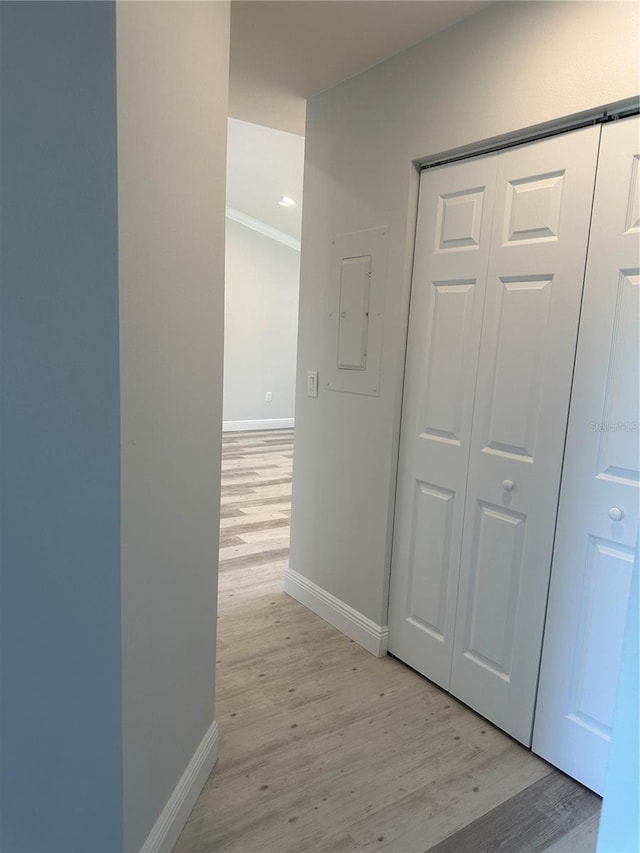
262, 260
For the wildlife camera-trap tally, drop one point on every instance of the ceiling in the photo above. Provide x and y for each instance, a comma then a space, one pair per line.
285, 51
262, 166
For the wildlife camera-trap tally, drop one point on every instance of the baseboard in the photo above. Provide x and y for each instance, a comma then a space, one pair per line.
173, 817
372, 637
246, 426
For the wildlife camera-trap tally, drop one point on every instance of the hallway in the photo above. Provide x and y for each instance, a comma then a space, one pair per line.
326, 748
254, 515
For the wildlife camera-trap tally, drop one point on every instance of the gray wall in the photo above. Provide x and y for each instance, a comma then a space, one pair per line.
61, 717
172, 131
510, 66
261, 325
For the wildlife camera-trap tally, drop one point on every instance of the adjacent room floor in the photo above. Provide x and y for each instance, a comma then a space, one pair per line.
325, 748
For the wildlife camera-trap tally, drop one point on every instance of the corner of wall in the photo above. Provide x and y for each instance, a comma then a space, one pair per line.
351, 622
175, 814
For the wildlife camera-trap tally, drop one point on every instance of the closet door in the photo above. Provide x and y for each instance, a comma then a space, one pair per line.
452, 250
598, 515
534, 285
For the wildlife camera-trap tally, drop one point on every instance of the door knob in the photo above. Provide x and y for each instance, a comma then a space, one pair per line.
616, 514
508, 485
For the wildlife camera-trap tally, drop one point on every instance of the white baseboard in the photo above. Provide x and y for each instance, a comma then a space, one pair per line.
173, 817
372, 637
245, 426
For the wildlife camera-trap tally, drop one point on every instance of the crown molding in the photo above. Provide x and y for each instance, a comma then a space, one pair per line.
262, 228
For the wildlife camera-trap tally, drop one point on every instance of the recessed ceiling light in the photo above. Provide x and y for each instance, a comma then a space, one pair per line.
287, 201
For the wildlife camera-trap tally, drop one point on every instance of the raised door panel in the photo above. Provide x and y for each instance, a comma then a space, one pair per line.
430, 534
598, 514
617, 427
510, 421
452, 243
607, 568
494, 584
534, 285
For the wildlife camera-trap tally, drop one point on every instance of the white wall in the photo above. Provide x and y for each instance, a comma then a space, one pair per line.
509, 67
261, 325
172, 129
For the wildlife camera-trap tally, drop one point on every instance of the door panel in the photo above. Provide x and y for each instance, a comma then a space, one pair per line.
448, 357
518, 354
534, 286
618, 448
532, 209
494, 584
430, 534
598, 513
607, 580
452, 250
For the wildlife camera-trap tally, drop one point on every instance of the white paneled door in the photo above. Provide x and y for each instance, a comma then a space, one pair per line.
534, 287
500, 258
449, 281
598, 514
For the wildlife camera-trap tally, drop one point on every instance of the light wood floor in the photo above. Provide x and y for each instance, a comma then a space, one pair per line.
325, 748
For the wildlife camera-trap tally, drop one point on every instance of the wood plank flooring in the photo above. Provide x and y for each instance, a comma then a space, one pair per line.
326, 748
255, 516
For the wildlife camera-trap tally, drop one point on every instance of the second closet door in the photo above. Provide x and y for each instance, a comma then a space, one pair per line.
598, 517
530, 323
